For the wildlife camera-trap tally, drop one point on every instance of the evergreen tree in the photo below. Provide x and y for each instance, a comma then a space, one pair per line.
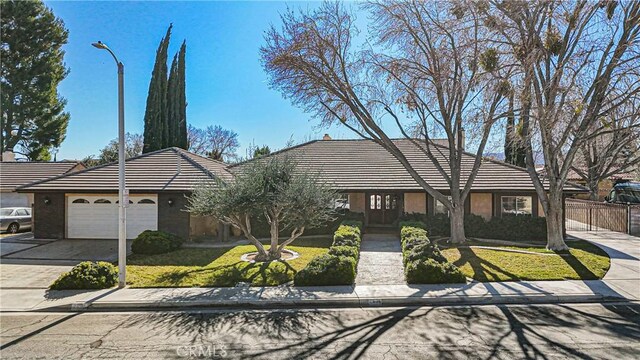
155, 117
514, 151
177, 107
172, 105
181, 98
33, 119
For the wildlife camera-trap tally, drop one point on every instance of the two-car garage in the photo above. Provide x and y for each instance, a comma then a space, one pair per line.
96, 216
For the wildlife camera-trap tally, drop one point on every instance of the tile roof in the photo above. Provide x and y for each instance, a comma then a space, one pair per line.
154, 171
14, 174
365, 165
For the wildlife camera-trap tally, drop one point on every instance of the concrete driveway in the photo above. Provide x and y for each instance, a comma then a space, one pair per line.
28, 263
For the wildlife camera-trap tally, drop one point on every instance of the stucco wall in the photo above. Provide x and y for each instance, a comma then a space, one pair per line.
357, 202
415, 203
203, 226
540, 208
482, 205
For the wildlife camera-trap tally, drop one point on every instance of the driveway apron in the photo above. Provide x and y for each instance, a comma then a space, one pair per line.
380, 260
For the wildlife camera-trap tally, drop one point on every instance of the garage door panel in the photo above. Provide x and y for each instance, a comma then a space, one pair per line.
88, 219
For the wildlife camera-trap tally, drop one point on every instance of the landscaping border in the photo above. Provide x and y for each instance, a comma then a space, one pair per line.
422, 259
339, 266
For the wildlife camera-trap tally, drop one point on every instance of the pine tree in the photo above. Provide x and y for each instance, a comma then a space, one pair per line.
33, 119
155, 117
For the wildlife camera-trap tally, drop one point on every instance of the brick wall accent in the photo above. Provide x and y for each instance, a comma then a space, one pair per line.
49, 219
173, 218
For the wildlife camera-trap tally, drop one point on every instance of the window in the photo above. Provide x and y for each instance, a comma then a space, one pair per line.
22, 212
516, 205
102, 201
375, 202
146, 201
342, 202
80, 201
118, 202
390, 202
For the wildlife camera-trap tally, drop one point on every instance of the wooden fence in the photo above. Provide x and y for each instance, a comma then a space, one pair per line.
586, 215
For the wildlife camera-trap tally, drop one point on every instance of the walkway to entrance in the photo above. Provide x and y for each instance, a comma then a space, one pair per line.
380, 260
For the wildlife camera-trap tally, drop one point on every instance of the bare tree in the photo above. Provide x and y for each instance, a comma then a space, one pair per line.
213, 141
613, 152
571, 55
422, 72
132, 147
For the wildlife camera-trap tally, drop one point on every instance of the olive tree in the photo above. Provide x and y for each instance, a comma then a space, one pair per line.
288, 197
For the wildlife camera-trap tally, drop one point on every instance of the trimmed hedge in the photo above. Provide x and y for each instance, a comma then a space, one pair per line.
87, 275
423, 261
348, 251
339, 266
513, 228
327, 270
151, 242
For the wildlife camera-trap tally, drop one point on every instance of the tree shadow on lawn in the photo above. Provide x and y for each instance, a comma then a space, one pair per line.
482, 273
256, 274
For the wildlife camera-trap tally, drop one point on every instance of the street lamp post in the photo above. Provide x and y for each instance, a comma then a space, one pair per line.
123, 194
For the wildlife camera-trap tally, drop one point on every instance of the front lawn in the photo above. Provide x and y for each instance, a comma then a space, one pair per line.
204, 267
584, 261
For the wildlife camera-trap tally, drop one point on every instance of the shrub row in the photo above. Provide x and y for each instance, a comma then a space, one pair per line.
514, 228
338, 266
423, 261
87, 275
260, 228
151, 242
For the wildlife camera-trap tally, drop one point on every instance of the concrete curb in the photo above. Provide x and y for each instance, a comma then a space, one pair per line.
169, 305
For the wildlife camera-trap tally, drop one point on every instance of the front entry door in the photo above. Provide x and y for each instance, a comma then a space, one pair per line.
383, 208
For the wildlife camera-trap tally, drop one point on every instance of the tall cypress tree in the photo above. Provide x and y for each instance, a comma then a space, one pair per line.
172, 104
155, 117
514, 151
181, 98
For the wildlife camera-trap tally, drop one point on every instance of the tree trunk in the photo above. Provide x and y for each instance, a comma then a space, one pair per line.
594, 190
457, 225
554, 215
274, 252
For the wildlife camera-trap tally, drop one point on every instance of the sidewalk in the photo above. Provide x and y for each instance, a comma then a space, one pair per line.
380, 260
622, 282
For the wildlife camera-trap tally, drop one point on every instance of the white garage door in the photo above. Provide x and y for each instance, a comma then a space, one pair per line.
96, 216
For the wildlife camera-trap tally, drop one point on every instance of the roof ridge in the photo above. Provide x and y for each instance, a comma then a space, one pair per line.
180, 152
89, 168
277, 152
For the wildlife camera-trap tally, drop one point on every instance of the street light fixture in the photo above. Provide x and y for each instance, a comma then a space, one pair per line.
123, 194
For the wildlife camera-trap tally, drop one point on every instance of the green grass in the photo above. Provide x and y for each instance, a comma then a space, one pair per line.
584, 261
197, 267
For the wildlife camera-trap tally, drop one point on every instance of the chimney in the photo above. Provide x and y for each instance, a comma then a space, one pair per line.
326, 137
9, 156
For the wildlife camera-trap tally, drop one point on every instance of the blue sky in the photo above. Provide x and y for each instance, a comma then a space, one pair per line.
225, 81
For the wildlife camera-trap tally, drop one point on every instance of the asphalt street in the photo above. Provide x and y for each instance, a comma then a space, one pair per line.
585, 331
